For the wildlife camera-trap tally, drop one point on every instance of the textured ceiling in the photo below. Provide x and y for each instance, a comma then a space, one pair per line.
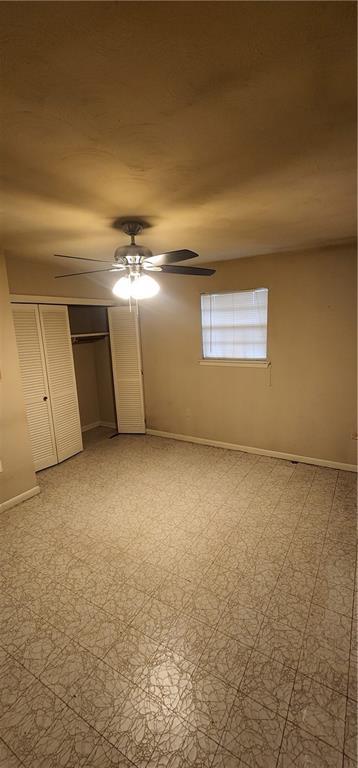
230, 126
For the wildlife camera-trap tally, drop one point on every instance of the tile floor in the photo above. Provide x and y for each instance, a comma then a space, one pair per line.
172, 606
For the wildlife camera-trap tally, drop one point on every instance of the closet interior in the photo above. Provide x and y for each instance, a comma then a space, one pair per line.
93, 366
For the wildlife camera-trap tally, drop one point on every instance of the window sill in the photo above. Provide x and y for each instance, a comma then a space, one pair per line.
237, 363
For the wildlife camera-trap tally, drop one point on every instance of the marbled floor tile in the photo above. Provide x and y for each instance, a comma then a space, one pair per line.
333, 597
100, 634
302, 559
167, 676
325, 662
68, 612
208, 529
318, 710
329, 626
351, 731
15, 628
280, 642
206, 703
254, 592
137, 726
352, 681
105, 755
295, 582
125, 602
182, 745
342, 530
99, 696
7, 757
253, 733
225, 658
268, 682
191, 567
76, 575
337, 572
155, 620
29, 718
131, 653
41, 647
68, 670
147, 578
264, 570
55, 564
300, 749
8, 604
14, 679
225, 759
241, 623
340, 552
4, 657
67, 743
354, 637
98, 589
189, 637
174, 591
205, 606
221, 581
348, 762
288, 609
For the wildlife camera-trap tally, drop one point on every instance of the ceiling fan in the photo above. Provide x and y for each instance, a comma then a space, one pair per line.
137, 260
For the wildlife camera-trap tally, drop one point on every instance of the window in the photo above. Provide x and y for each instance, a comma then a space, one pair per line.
234, 325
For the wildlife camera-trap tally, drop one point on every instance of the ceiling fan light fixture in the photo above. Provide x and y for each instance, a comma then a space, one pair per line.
122, 288
144, 287
136, 287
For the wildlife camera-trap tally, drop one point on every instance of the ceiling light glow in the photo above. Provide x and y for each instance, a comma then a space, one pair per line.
122, 288
141, 287
144, 287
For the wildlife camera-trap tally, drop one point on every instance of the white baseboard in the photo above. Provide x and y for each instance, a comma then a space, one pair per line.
87, 427
18, 499
260, 451
95, 424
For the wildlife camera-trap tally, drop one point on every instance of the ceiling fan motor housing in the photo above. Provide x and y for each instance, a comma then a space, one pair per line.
131, 228
132, 254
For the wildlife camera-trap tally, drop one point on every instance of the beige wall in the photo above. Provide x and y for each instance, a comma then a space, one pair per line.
310, 407
18, 474
105, 390
86, 379
38, 278
93, 370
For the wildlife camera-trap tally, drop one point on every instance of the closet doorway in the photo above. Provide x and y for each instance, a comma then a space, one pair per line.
81, 369
93, 367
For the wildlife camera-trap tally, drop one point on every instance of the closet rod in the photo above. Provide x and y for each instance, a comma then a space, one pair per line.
77, 338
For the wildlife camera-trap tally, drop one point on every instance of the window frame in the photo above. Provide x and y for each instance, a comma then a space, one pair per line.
242, 362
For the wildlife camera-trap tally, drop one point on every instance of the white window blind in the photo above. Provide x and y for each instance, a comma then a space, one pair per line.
234, 325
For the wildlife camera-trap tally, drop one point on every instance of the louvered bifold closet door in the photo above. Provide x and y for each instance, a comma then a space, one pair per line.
61, 378
35, 385
127, 369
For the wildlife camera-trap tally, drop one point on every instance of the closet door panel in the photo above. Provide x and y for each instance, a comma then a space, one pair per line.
127, 369
61, 378
35, 385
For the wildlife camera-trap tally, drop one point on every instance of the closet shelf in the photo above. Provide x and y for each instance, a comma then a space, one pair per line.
78, 337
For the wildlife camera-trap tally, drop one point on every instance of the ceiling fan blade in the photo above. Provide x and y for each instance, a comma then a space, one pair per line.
92, 272
82, 258
172, 256
177, 270
150, 267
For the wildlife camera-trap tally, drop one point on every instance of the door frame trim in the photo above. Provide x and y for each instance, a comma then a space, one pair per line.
19, 298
